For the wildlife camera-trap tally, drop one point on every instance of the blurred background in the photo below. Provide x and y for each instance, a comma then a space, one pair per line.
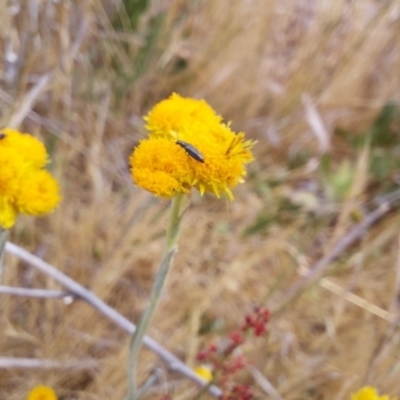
316, 83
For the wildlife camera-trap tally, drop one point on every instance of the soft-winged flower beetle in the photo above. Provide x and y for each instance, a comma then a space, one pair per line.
191, 151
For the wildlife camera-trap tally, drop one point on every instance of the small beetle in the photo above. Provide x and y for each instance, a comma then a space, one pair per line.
2, 135
191, 151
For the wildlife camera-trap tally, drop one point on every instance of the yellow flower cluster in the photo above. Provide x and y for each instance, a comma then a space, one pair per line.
25, 186
42, 392
369, 393
189, 146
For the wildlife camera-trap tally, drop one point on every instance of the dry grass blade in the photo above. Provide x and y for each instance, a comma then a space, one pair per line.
30, 363
319, 267
28, 101
264, 383
316, 123
25, 292
352, 298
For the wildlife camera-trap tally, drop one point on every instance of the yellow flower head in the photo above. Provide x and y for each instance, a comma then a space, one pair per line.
42, 392
25, 187
369, 393
204, 372
188, 146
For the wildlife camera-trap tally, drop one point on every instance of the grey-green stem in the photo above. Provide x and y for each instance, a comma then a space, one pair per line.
141, 328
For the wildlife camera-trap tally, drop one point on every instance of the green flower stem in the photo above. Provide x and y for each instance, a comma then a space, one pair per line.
136, 344
3, 240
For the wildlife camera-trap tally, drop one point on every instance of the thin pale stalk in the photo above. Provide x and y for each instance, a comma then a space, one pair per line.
150, 382
136, 344
3, 240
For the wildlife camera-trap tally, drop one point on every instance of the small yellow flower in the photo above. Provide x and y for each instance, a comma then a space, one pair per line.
42, 392
204, 372
161, 165
25, 187
369, 393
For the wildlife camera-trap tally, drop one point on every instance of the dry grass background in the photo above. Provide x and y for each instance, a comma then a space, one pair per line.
80, 75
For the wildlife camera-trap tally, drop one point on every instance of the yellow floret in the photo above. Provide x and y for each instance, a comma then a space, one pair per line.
38, 194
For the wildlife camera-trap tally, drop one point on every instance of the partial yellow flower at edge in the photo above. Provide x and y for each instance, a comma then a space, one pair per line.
369, 393
42, 392
25, 187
